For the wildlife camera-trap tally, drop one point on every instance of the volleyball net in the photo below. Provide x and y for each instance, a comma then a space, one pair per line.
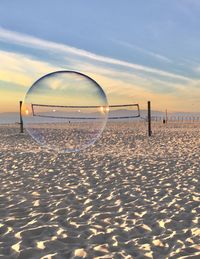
115, 112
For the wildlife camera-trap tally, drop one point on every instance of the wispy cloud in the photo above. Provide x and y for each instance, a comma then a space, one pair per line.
145, 51
48, 46
120, 86
21, 69
122, 81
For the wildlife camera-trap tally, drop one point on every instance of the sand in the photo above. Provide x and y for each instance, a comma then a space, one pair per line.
124, 197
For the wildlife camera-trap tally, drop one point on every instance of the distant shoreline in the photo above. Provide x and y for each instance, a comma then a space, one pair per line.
12, 118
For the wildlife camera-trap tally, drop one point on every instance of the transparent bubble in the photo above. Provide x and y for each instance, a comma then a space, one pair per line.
65, 111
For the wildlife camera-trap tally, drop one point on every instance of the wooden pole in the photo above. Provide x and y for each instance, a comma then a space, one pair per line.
149, 119
21, 120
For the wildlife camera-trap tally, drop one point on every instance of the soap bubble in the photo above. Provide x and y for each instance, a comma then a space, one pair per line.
65, 111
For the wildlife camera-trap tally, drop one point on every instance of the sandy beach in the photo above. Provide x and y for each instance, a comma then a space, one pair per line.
125, 197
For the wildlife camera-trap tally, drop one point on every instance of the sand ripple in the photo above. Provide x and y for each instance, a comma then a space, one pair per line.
123, 198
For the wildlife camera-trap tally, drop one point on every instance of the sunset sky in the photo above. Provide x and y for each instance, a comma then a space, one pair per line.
136, 50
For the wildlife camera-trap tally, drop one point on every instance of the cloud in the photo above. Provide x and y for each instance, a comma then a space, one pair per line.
120, 86
147, 52
21, 69
122, 81
48, 46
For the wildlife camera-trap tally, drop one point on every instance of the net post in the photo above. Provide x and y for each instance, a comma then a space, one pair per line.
21, 120
166, 116
149, 119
